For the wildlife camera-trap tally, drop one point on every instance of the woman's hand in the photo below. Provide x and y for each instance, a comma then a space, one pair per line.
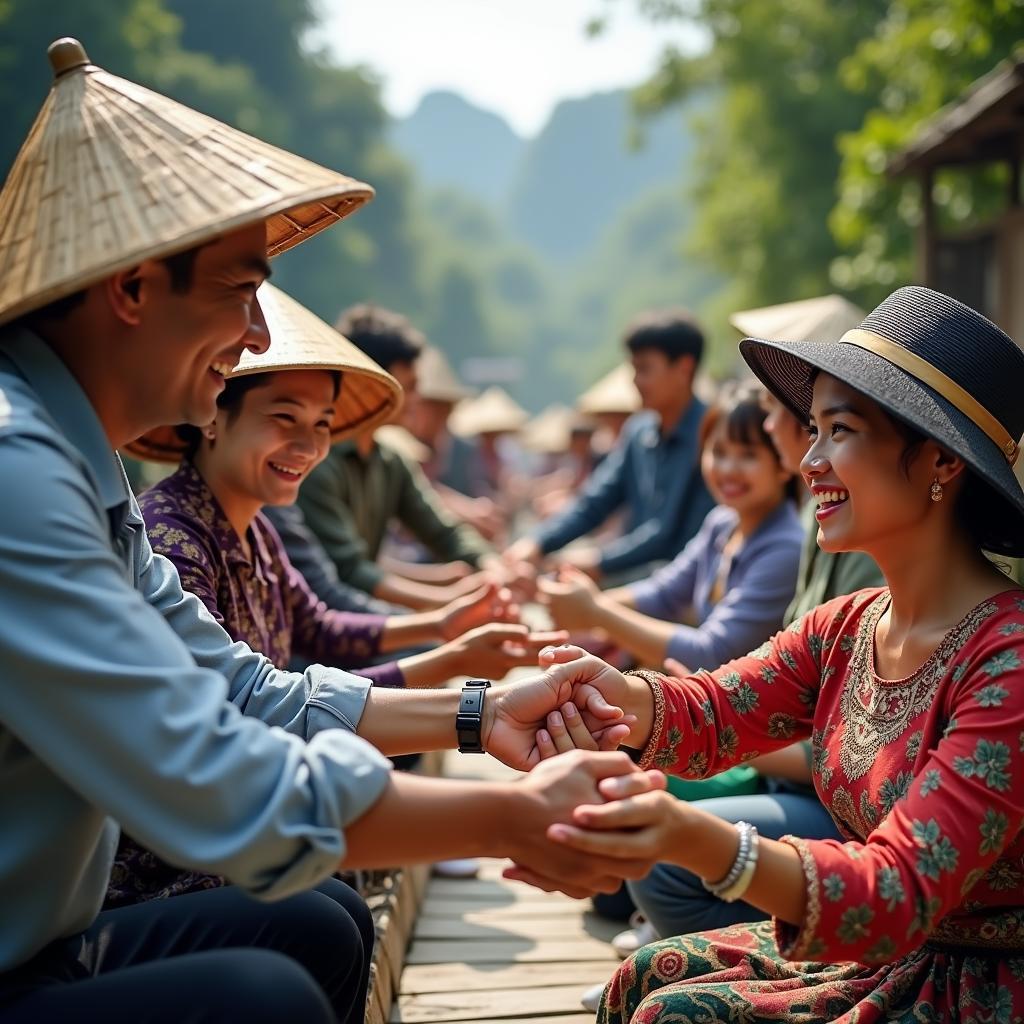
567, 731
629, 855
551, 794
590, 679
637, 823
571, 599
486, 604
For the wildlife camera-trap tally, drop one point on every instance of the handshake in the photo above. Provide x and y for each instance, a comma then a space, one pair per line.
586, 816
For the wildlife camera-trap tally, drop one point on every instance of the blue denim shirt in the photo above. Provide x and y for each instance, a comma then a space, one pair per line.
656, 479
122, 700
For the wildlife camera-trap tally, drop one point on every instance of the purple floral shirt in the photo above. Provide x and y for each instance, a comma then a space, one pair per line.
263, 601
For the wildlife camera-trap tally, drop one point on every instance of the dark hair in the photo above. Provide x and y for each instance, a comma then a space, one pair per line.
230, 400
988, 521
386, 337
675, 332
181, 268
738, 408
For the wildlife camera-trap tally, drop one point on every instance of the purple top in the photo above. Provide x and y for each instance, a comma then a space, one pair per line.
263, 601
759, 585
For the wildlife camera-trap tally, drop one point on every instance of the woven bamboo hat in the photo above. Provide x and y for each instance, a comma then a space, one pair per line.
615, 392
826, 318
398, 439
436, 380
552, 431
112, 174
300, 340
492, 412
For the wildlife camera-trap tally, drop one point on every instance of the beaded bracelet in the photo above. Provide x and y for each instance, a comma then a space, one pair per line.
741, 874
654, 680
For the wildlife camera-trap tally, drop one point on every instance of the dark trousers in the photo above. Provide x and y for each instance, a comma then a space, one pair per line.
216, 955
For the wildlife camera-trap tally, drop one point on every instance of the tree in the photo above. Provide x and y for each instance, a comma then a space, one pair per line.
921, 55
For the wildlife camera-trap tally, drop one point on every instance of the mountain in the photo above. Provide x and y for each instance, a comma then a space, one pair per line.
581, 171
453, 143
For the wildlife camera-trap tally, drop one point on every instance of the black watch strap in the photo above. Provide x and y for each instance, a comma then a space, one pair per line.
470, 716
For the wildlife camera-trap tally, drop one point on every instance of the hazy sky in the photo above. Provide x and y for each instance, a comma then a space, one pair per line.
515, 57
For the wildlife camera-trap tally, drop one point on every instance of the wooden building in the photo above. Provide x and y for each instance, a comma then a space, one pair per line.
983, 266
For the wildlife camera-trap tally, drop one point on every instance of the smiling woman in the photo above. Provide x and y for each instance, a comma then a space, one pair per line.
912, 696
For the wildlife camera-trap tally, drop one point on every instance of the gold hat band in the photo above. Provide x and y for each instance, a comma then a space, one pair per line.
923, 371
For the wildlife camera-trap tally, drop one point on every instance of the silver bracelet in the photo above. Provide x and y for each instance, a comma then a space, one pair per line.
741, 874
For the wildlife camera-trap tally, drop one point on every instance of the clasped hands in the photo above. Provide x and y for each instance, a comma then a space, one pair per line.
594, 818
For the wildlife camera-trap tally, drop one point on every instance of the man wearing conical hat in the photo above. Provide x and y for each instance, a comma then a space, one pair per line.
133, 236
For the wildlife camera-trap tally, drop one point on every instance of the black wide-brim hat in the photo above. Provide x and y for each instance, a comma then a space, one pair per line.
933, 363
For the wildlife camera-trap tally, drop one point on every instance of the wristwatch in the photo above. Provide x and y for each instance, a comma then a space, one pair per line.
470, 717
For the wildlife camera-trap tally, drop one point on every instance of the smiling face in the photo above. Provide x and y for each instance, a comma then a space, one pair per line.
188, 339
267, 444
871, 492
742, 472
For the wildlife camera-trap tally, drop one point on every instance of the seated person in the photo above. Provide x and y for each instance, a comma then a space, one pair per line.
652, 473
737, 574
353, 496
274, 422
455, 466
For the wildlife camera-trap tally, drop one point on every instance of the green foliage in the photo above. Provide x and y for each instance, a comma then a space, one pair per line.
921, 55
813, 99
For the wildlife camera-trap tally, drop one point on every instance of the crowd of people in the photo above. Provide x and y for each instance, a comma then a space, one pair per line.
773, 718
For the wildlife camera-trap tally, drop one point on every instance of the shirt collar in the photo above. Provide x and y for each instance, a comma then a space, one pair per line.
189, 483
69, 407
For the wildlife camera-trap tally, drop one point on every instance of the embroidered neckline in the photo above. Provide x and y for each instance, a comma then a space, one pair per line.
876, 712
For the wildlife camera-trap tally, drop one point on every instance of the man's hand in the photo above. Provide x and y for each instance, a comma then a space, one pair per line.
492, 651
586, 559
553, 792
571, 599
590, 680
526, 549
514, 713
484, 605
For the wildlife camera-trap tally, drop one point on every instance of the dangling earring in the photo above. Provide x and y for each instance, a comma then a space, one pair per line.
936, 491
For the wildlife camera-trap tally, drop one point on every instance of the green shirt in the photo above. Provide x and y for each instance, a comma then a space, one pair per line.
823, 576
349, 501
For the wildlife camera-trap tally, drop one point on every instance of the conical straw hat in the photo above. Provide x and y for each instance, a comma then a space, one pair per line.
112, 174
615, 392
300, 340
436, 380
826, 318
493, 412
551, 432
398, 439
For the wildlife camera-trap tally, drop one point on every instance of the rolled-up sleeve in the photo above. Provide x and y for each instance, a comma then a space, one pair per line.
134, 697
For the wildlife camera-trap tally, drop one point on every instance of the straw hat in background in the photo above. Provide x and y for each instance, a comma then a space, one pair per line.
436, 380
551, 432
398, 439
300, 340
112, 174
826, 318
493, 412
615, 392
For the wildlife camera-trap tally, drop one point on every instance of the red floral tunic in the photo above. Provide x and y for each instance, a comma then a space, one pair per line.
925, 778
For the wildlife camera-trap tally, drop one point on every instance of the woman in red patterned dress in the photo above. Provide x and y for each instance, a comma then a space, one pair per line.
912, 696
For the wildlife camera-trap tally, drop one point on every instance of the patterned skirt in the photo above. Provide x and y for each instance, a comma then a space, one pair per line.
736, 975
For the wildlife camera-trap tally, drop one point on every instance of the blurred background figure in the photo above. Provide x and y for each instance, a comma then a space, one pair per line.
453, 464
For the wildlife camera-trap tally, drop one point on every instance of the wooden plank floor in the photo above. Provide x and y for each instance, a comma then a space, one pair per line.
488, 951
